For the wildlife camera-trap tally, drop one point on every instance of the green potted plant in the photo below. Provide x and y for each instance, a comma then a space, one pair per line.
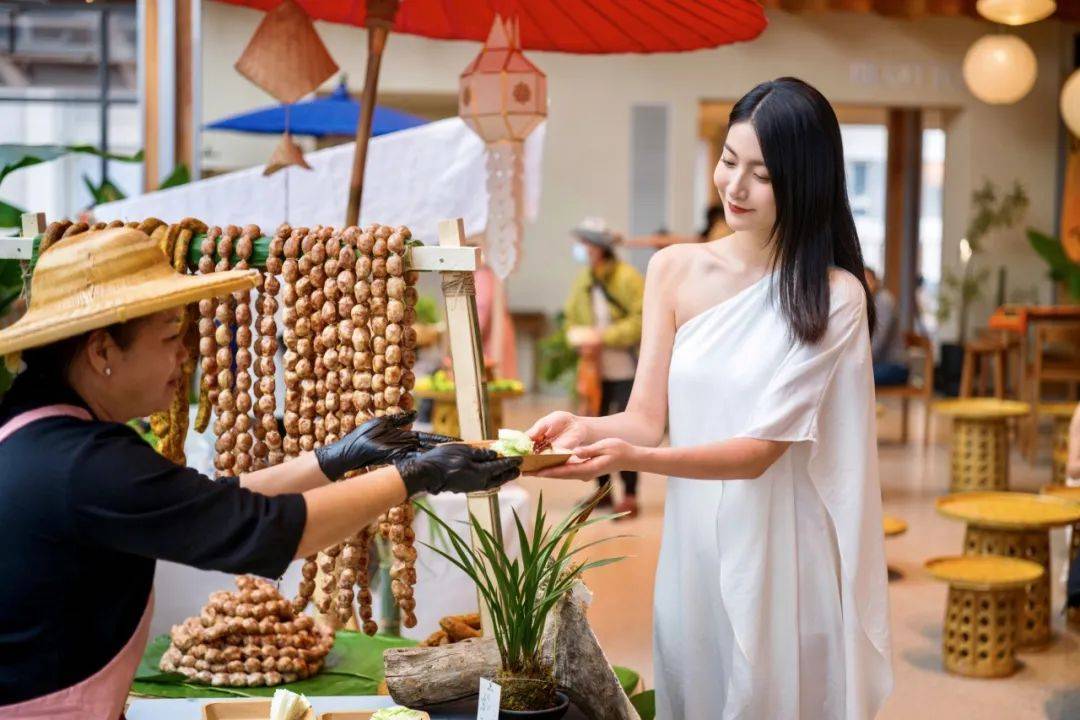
519, 594
991, 211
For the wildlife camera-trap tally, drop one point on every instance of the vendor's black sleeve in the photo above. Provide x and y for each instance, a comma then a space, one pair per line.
127, 497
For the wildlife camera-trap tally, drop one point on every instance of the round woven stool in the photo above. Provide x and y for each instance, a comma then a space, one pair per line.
1072, 494
1062, 414
893, 526
979, 639
980, 441
1015, 525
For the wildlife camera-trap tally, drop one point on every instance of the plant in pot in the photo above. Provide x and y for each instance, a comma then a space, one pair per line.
520, 593
991, 211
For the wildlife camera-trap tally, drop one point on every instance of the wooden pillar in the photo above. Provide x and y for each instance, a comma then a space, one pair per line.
903, 187
467, 356
169, 61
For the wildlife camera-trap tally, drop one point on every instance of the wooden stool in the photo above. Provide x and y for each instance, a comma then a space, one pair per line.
1062, 414
979, 638
1015, 525
975, 353
1072, 494
893, 526
980, 441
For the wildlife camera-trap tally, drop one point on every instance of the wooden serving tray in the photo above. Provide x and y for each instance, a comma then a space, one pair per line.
243, 710
359, 715
532, 463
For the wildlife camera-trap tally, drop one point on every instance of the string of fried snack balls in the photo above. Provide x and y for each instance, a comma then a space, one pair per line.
349, 311
248, 638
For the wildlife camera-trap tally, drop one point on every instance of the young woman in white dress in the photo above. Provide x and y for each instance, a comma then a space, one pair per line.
770, 599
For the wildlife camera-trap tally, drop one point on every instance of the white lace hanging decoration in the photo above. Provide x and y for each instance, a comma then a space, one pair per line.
504, 227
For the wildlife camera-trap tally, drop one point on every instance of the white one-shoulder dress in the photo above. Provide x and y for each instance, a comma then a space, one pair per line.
771, 597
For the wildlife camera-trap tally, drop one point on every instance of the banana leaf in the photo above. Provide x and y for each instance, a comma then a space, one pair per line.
16, 156
353, 667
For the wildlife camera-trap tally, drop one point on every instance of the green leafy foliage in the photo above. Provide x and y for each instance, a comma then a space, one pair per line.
427, 312
10, 216
645, 704
991, 211
106, 191
629, 679
179, 176
353, 667
558, 359
1062, 269
519, 593
16, 156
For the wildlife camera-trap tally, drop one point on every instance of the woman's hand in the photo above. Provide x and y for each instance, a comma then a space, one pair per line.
379, 441
456, 468
601, 458
559, 429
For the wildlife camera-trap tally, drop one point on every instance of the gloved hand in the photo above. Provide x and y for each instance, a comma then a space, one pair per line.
456, 468
379, 441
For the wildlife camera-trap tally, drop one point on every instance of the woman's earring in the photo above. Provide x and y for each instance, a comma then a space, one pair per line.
108, 372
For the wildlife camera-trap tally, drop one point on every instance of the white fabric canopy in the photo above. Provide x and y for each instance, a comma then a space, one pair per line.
414, 177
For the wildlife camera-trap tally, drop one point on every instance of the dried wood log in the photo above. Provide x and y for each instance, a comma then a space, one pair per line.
428, 675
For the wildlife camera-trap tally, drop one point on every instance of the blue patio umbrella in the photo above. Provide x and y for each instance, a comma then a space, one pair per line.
335, 114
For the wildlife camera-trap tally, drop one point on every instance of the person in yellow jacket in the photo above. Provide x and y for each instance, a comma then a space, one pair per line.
603, 315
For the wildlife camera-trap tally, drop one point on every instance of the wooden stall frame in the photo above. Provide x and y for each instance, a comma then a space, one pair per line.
456, 264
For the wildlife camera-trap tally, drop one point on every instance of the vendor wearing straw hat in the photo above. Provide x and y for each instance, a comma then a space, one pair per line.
87, 507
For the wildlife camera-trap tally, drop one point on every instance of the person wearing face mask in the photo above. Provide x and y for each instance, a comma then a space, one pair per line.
770, 598
603, 319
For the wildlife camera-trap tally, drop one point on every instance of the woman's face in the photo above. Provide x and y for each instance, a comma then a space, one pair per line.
144, 376
743, 183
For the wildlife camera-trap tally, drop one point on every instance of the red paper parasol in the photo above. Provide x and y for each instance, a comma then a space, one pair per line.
573, 26
583, 27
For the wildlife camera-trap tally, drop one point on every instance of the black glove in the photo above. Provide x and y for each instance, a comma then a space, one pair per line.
379, 441
431, 440
457, 468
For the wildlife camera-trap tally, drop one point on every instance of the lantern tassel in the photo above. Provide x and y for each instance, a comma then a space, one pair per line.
504, 227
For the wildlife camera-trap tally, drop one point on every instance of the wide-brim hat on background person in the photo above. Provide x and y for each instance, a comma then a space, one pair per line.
103, 277
595, 231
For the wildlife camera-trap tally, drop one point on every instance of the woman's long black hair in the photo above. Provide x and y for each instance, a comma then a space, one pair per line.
803, 152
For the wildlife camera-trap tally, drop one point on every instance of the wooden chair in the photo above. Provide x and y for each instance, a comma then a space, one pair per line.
1056, 359
919, 386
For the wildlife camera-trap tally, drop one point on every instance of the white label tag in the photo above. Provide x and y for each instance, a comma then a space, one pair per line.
488, 706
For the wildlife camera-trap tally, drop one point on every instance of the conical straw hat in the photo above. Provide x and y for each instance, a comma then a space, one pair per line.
96, 279
285, 56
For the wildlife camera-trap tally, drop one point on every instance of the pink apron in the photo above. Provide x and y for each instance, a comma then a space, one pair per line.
102, 695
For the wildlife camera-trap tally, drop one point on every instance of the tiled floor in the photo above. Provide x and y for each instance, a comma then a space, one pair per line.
1048, 684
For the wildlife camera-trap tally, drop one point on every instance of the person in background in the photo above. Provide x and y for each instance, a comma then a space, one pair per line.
887, 345
603, 314
496, 327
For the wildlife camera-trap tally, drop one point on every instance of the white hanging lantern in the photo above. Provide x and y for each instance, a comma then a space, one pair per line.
503, 98
1000, 69
1070, 103
1015, 12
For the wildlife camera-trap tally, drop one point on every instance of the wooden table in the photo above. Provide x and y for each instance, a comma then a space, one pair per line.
1015, 525
980, 441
